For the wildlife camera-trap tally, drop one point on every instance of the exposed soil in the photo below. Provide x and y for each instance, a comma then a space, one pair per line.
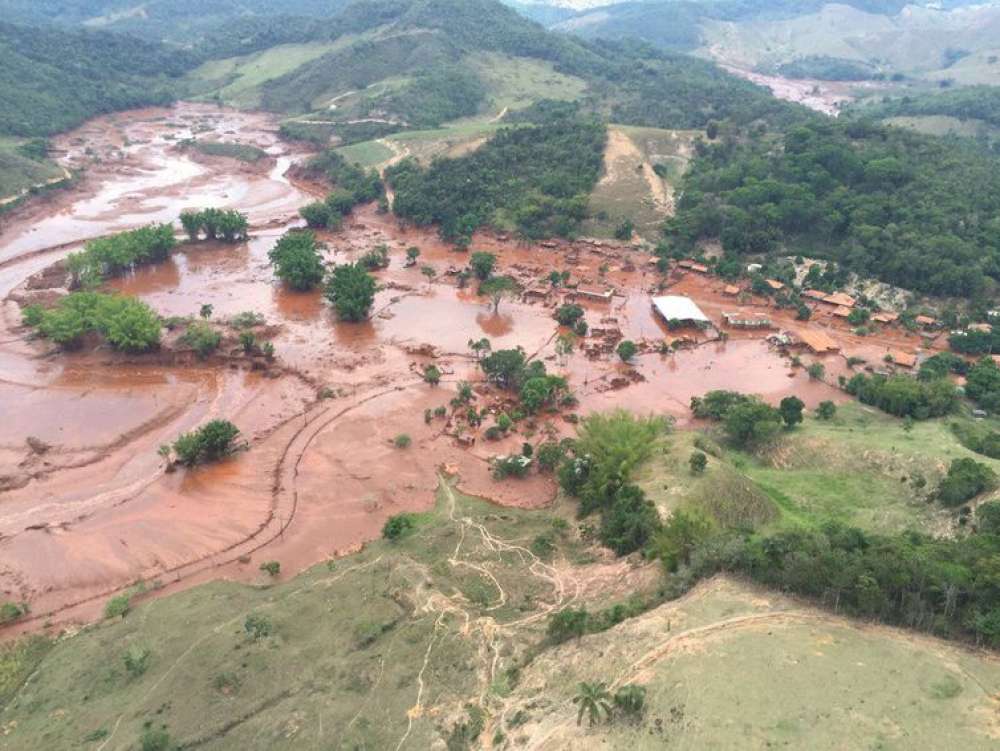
87, 507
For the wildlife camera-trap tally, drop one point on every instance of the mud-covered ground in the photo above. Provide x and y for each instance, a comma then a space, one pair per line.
87, 507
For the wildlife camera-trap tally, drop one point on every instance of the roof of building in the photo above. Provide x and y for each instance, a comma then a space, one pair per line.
984, 328
677, 308
925, 320
885, 317
903, 358
842, 311
731, 289
591, 291
839, 298
815, 294
774, 284
817, 341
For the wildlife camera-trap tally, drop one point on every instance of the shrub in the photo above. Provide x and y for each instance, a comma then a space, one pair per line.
248, 342
296, 260
816, 371
117, 254
715, 405
965, 480
247, 320
136, 660
568, 623
257, 627
482, 265
10, 612
218, 224
432, 375
826, 410
402, 441
752, 423
211, 442
988, 518
630, 522
515, 465
568, 315
155, 739
317, 215
630, 699
351, 290
627, 350
202, 338
118, 606
125, 323
683, 532
549, 456
698, 462
272, 568
791, 411
398, 526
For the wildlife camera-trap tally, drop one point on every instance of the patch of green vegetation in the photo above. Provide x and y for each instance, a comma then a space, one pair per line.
367, 154
243, 152
254, 656
19, 172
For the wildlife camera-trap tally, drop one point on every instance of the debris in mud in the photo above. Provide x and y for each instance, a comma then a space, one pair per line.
37, 445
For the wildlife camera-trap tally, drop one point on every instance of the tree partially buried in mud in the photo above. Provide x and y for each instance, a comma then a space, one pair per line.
212, 441
351, 291
297, 261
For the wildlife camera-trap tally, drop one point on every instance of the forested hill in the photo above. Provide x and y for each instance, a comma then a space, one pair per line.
54, 79
629, 82
973, 102
914, 210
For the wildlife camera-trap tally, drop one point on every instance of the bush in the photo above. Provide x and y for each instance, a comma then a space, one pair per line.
248, 342
376, 258
155, 739
630, 699
402, 441
752, 423
317, 215
549, 456
351, 290
988, 518
965, 480
136, 660
257, 627
121, 253
272, 568
202, 338
432, 375
398, 526
217, 224
826, 410
627, 350
630, 522
568, 315
904, 396
297, 261
698, 462
568, 623
680, 537
118, 606
791, 411
125, 323
211, 442
10, 612
715, 405
515, 465
482, 265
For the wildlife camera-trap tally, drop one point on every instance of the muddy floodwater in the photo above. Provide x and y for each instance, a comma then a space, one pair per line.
87, 506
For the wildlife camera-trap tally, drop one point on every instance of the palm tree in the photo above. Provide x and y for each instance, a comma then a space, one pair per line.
593, 699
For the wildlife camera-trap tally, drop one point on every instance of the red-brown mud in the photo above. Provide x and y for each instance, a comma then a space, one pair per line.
87, 507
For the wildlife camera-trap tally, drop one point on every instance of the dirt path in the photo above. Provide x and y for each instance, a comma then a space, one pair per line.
622, 154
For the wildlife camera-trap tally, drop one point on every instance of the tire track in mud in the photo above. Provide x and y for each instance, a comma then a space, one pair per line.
266, 532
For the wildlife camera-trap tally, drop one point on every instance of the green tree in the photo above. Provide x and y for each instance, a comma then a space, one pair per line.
698, 462
482, 265
351, 290
627, 350
791, 411
826, 410
751, 423
212, 441
206, 310
497, 288
296, 260
593, 699
398, 526
568, 623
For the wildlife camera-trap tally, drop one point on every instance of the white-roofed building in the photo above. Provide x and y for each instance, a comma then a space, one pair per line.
681, 309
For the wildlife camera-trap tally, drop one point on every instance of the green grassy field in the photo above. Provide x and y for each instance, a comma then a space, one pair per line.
236, 79
943, 125
391, 643
18, 172
731, 667
514, 83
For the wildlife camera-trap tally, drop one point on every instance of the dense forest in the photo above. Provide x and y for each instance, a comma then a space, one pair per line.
534, 178
969, 103
912, 210
53, 80
827, 68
